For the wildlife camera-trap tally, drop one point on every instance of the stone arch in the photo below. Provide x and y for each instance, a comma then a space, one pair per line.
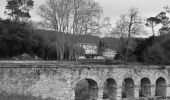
86, 89
145, 87
128, 88
110, 89
160, 87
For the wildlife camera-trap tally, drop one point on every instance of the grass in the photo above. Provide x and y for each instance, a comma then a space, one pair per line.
5, 96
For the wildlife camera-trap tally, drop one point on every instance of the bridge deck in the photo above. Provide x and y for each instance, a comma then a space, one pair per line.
71, 64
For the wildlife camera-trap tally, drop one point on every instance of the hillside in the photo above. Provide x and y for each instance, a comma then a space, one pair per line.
50, 35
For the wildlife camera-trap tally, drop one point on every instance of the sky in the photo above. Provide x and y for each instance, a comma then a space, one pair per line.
111, 8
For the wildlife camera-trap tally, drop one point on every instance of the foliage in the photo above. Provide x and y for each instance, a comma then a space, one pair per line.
141, 46
154, 54
152, 22
17, 38
78, 17
165, 23
18, 9
130, 24
154, 50
14, 39
102, 46
71, 16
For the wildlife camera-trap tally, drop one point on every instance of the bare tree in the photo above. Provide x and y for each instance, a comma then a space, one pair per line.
55, 14
129, 25
121, 27
69, 16
86, 12
106, 26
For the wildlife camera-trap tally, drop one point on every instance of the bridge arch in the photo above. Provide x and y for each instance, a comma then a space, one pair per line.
161, 87
128, 88
145, 87
110, 89
86, 89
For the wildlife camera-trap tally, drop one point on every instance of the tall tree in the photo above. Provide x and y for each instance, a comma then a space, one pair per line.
73, 16
18, 10
165, 23
106, 26
69, 16
152, 22
129, 25
56, 16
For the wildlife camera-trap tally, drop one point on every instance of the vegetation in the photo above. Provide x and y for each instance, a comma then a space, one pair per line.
78, 22
152, 22
78, 17
5, 96
151, 50
128, 26
18, 10
19, 38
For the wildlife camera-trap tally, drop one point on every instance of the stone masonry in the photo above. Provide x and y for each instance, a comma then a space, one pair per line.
58, 80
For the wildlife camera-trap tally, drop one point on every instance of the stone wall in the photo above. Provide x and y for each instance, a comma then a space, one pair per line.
58, 81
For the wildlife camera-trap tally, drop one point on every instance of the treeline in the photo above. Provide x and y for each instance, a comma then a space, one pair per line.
17, 38
151, 50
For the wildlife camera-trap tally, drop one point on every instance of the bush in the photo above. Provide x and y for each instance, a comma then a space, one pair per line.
155, 54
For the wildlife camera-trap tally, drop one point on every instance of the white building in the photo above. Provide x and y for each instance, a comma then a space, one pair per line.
109, 53
89, 48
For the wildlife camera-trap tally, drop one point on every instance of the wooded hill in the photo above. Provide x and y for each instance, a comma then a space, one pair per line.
19, 38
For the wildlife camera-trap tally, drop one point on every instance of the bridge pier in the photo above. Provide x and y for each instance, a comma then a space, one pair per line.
119, 93
100, 93
168, 90
72, 94
153, 87
136, 91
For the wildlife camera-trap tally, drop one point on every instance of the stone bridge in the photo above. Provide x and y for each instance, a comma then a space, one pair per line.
64, 80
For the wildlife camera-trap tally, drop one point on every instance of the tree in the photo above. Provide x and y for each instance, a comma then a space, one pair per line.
55, 14
121, 27
69, 16
165, 22
101, 47
129, 25
167, 8
86, 14
18, 10
105, 27
152, 22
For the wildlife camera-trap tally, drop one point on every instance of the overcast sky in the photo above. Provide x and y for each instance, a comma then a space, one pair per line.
112, 8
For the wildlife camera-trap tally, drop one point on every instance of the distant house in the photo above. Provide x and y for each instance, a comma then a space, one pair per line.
91, 51
109, 53
89, 48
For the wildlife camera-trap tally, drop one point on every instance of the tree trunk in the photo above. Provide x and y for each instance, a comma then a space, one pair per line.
61, 56
153, 30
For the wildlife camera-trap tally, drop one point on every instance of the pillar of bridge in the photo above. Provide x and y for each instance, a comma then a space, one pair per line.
153, 87
100, 93
71, 93
136, 91
119, 93
168, 90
